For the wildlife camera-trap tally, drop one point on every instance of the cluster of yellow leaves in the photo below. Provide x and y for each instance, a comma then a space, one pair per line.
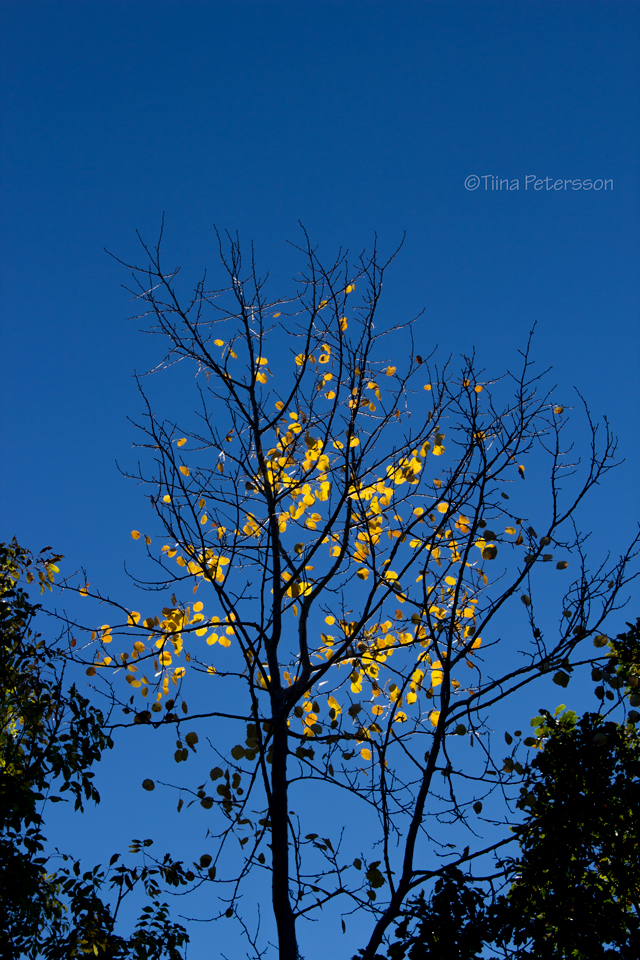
324, 356
210, 564
304, 471
164, 643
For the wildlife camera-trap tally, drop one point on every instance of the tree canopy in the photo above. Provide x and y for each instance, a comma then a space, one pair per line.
574, 889
50, 738
360, 577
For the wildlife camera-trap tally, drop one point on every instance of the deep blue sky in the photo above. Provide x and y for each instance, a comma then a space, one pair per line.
353, 117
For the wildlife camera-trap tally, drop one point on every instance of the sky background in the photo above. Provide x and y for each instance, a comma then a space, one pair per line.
355, 118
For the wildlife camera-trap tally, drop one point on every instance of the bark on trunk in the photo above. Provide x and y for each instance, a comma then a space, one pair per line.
279, 814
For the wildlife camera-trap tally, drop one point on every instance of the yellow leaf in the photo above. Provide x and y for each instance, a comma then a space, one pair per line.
135, 534
182, 442
442, 507
476, 643
434, 716
334, 705
184, 471
330, 620
343, 324
276, 315
354, 442
166, 498
521, 471
363, 573
261, 377
133, 618
197, 607
365, 753
478, 388
558, 409
261, 361
510, 530
390, 371
219, 343
427, 386
279, 405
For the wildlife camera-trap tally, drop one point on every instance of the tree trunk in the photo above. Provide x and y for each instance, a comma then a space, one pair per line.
279, 815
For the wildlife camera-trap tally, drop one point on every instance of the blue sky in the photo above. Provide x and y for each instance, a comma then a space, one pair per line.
355, 118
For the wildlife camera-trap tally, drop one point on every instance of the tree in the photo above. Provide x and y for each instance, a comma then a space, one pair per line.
574, 890
50, 737
356, 526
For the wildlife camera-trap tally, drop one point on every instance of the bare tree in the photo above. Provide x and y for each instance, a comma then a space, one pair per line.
371, 585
